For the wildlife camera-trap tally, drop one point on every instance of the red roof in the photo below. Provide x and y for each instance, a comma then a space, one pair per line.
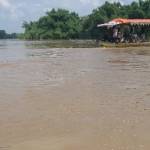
118, 21
131, 21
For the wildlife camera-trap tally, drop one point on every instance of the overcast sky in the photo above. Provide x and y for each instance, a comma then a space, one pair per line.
14, 12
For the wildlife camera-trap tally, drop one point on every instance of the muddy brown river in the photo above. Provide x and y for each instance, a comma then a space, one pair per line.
73, 98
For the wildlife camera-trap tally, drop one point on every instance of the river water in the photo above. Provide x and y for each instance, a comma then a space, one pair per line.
73, 98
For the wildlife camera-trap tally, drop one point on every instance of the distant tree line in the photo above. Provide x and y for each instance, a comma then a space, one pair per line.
62, 24
4, 35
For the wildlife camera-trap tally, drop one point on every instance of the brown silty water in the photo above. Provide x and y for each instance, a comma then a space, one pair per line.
74, 98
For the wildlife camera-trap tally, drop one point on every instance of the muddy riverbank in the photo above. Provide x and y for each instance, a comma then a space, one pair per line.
74, 98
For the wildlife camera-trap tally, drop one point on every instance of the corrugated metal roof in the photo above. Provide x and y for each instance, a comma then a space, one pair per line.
131, 21
117, 21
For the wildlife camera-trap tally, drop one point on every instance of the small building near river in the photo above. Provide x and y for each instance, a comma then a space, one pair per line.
127, 30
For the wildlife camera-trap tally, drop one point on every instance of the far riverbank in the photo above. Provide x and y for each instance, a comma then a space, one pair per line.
79, 44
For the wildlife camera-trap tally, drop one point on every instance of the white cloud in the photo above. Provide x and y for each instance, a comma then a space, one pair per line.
5, 3
92, 2
9, 9
14, 12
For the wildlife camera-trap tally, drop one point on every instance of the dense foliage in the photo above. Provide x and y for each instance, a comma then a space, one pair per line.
57, 24
109, 11
4, 35
62, 24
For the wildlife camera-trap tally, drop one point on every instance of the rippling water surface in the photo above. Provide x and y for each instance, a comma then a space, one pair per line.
73, 98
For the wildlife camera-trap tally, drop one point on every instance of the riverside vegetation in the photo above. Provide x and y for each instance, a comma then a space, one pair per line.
63, 24
4, 35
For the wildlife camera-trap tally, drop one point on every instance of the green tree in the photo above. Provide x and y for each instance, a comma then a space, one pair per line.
62, 24
57, 24
135, 14
3, 34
